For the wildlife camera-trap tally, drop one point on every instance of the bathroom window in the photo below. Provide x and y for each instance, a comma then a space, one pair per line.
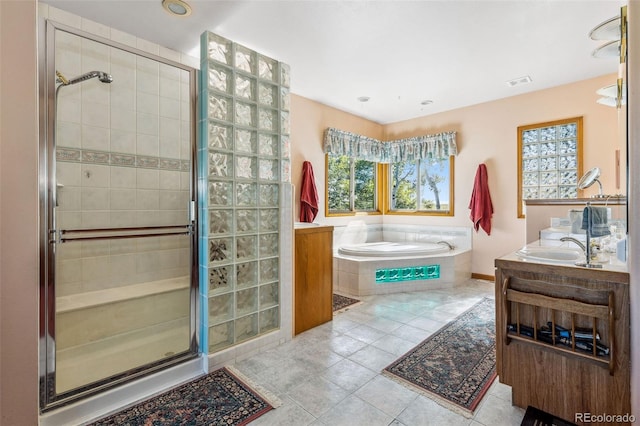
422, 187
351, 185
549, 160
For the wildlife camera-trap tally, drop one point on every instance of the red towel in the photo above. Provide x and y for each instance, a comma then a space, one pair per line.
480, 204
308, 194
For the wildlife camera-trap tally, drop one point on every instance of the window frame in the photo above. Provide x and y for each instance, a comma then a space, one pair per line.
353, 212
444, 213
579, 155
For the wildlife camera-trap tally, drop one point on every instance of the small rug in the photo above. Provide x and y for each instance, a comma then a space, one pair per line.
218, 398
456, 365
535, 417
342, 302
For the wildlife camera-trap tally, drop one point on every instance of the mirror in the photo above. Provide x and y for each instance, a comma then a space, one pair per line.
589, 178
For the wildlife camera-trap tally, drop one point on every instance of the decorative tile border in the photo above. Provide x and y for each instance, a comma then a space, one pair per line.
123, 160
147, 162
64, 154
96, 157
74, 155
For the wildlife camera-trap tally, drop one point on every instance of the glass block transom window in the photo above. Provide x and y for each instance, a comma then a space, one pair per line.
243, 159
549, 160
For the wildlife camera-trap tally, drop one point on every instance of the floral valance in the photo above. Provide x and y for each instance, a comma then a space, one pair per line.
437, 147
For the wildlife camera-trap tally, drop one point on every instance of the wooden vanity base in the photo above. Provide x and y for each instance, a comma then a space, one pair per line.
561, 379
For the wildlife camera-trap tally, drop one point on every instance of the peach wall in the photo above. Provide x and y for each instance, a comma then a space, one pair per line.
1, 92
634, 200
1, 156
19, 217
486, 133
309, 119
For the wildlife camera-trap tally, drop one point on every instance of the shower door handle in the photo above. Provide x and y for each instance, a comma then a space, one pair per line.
69, 235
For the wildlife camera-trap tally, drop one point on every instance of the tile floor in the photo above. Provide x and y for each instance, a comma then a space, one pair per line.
330, 375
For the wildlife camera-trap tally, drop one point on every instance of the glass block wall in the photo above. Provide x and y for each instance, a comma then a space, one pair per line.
244, 158
550, 161
410, 273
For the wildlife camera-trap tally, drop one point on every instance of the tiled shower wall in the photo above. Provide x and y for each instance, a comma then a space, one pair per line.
123, 158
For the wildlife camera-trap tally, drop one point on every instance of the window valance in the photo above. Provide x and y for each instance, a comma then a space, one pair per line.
437, 147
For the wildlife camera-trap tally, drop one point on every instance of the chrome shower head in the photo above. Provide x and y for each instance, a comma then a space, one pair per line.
102, 76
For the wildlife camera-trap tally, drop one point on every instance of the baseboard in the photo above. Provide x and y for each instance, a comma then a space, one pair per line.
483, 277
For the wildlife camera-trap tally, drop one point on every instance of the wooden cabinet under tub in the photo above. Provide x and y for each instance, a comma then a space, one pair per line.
562, 338
313, 298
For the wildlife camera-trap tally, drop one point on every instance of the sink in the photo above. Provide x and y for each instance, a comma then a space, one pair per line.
551, 254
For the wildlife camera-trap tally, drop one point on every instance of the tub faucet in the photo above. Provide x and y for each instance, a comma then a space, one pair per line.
448, 244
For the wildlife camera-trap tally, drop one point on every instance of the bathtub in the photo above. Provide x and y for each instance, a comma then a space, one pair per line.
394, 267
391, 249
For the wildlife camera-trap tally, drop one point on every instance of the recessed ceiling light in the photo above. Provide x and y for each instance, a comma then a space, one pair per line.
176, 7
426, 102
363, 99
519, 81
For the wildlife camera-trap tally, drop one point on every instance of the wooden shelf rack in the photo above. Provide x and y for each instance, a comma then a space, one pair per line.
547, 301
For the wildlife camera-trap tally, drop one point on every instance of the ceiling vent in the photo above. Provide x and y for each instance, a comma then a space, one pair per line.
519, 81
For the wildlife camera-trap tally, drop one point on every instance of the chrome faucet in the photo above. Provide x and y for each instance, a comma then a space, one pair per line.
585, 247
587, 251
573, 240
448, 244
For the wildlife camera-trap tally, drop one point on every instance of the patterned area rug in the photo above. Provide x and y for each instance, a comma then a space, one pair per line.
219, 398
342, 302
456, 365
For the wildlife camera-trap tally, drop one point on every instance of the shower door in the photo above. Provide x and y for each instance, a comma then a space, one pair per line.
119, 265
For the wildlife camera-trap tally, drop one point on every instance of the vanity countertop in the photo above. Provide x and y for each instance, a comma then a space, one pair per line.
612, 265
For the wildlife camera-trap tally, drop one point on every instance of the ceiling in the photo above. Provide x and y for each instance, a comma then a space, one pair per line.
397, 53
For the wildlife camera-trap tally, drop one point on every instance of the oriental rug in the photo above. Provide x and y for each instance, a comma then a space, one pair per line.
218, 398
456, 365
342, 302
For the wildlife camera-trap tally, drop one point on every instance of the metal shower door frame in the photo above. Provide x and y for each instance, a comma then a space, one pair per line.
50, 237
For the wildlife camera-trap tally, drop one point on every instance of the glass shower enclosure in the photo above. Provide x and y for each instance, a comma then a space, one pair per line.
118, 216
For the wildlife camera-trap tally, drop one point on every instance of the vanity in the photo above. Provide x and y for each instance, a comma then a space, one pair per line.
313, 289
563, 331
562, 336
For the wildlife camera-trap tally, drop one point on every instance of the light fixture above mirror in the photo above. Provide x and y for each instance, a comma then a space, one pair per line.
614, 32
607, 30
610, 49
609, 95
